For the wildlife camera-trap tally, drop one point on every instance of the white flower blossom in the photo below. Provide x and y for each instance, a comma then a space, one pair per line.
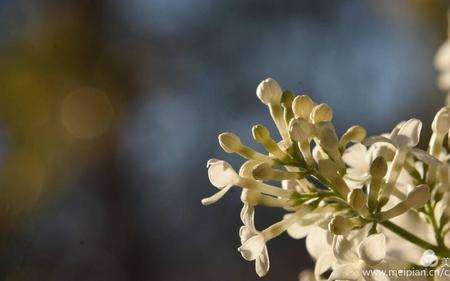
353, 259
361, 203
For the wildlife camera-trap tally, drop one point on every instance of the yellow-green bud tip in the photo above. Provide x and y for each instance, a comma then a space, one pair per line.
262, 171
260, 133
230, 142
378, 168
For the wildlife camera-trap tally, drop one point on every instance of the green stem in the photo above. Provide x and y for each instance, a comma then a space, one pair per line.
436, 229
441, 251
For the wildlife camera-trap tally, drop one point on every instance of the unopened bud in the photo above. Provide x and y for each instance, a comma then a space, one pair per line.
378, 168
262, 171
246, 170
269, 91
437, 195
339, 225
287, 99
357, 199
260, 133
441, 122
302, 106
230, 142
327, 136
353, 134
321, 113
300, 130
329, 169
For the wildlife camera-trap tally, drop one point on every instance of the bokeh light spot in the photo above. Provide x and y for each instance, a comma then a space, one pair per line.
87, 113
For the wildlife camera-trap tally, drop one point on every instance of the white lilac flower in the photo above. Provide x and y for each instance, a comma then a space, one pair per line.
223, 176
319, 246
253, 246
358, 159
353, 259
440, 127
338, 192
415, 199
320, 217
404, 137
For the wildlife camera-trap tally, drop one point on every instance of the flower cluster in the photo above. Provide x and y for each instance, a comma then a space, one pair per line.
360, 202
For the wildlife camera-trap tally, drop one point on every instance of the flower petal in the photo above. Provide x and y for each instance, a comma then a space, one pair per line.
344, 250
245, 233
356, 157
246, 169
323, 263
372, 249
298, 231
248, 215
350, 271
425, 157
253, 247
216, 196
306, 275
317, 242
409, 134
221, 174
262, 263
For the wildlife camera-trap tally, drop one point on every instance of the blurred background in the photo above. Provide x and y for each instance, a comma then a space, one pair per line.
109, 111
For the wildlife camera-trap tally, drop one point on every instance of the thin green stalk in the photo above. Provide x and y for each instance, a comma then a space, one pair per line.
441, 251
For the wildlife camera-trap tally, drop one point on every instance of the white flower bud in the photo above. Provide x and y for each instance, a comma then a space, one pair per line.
246, 170
230, 142
269, 91
329, 170
262, 171
340, 225
321, 113
441, 122
260, 133
357, 199
327, 137
301, 130
302, 106
378, 168
353, 134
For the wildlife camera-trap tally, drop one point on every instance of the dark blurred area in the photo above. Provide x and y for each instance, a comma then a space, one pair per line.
109, 111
